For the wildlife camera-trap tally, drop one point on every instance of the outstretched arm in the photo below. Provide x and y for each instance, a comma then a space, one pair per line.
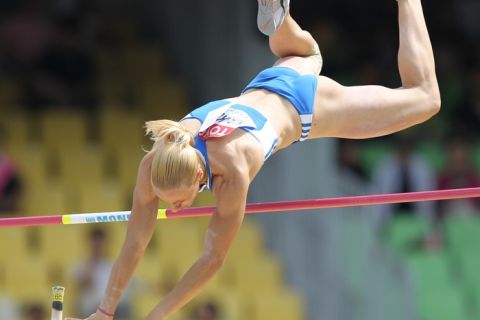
139, 233
231, 197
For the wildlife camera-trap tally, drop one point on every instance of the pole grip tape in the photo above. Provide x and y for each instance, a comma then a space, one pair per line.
162, 214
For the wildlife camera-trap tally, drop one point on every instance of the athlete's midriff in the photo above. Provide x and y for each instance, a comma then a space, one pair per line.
279, 112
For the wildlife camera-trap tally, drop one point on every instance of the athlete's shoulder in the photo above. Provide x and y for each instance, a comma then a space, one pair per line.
143, 189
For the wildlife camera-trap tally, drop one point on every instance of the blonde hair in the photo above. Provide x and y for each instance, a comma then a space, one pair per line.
175, 161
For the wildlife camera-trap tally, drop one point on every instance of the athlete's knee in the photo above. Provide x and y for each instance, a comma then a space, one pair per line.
316, 57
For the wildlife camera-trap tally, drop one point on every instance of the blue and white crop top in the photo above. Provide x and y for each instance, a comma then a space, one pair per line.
220, 118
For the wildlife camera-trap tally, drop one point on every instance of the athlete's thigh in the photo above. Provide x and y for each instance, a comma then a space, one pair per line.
366, 111
303, 65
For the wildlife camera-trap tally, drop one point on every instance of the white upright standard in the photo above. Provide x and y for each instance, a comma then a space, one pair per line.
57, 302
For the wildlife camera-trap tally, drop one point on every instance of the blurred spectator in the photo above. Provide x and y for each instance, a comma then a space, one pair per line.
369, 73
404, 171
79, 16
92, 276
47, 53
63, 75
10, 185
458, 173
352, 177
468, 20
206, 311
433, 241
25, 35
8, 308
468, 113
332, 43
35, 312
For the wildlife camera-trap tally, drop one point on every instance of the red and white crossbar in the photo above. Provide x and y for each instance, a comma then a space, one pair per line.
250, 208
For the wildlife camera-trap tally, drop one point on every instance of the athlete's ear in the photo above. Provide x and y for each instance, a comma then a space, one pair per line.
200, 172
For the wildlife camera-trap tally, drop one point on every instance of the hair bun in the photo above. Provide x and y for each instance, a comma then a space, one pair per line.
169, 132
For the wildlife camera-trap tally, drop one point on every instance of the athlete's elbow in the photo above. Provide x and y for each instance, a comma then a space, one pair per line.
435, 104
214, 261
431, 104
134, 250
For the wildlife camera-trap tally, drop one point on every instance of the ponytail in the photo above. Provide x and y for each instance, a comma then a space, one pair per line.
167, 132
175, 161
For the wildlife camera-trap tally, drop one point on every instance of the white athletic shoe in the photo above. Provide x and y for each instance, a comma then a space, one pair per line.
271, 14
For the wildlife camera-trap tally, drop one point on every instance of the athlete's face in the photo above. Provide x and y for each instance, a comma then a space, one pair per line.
179, 198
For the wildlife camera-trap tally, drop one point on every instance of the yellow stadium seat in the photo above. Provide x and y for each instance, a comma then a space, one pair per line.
81, 168
104, 197
128, 163
280, 305
260, 274
63, 131
120, 131
164, 100
174, 268
27, 279
144, 303
46, 199
158, 275
149, 272
176, 238
14, 244
16, 127
248, 243
115, 234
63, 245
122, 140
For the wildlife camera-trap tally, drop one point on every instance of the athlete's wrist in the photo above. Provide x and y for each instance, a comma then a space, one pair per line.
107, 314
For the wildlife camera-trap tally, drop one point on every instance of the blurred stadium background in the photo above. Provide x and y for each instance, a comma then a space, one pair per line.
79, 78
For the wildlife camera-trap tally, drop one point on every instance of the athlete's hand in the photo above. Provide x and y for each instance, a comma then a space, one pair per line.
95, 316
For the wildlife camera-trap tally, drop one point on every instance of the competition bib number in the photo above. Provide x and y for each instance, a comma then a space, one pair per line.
226, 123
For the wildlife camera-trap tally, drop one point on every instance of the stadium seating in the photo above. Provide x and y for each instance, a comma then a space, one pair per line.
430, 272
14, 245
62, 246
15, 129
63, 131
27, 279
82, 167
405, 232
279, 305
447, 282
443, 305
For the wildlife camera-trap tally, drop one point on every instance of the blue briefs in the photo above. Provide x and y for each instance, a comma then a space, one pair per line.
298, 89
